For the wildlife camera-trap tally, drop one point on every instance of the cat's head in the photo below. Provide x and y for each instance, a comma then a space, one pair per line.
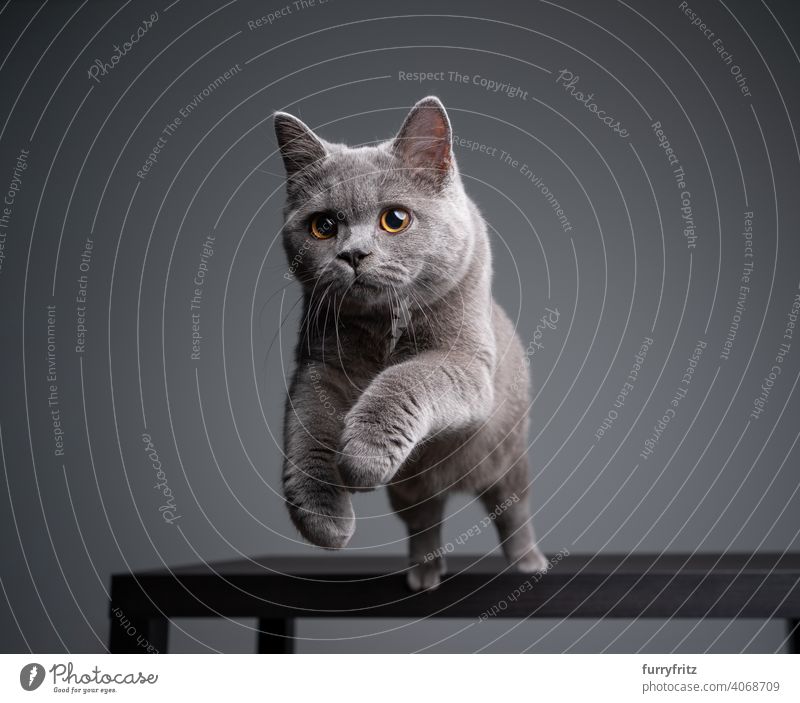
372, 222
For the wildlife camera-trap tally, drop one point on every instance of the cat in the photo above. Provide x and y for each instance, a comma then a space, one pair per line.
408, 373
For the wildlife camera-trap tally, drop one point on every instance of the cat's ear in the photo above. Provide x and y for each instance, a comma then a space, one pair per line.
424, 143
299, 146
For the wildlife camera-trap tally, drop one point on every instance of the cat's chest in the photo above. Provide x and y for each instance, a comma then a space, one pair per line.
400, 345
367, 352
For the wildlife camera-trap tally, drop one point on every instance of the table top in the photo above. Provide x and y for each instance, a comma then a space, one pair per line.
343, 566
762, 585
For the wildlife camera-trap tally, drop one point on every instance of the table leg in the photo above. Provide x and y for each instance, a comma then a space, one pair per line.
138, 634
276, 636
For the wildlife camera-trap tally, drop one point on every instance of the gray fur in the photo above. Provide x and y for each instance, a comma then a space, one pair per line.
408, 373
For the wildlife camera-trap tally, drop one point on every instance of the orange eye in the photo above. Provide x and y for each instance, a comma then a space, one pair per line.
324, 226
395, 220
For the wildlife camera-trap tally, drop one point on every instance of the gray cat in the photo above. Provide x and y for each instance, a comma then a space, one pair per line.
408, 373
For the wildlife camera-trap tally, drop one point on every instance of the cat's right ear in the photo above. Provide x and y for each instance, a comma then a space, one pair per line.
299, 146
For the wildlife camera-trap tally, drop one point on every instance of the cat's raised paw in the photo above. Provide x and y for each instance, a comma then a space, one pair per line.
325, 530
366, 458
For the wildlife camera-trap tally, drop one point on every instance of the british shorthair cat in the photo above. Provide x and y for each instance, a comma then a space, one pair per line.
408, 374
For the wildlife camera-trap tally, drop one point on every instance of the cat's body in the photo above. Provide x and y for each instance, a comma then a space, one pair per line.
408, 373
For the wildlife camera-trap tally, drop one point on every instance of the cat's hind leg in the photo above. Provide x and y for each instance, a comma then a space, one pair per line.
423, 520
507, 503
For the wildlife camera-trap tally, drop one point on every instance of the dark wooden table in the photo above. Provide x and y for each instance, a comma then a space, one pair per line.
278, 590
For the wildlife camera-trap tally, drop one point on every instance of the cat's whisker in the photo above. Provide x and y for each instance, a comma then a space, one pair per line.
270, 173
422, 305
280, 327
406, 313
323, 297
311, 311
411, 319
325, 328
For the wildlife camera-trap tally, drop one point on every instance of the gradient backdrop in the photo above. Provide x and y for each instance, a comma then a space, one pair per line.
109, 373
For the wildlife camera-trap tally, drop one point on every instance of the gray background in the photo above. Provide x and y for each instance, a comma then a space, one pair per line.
716, 480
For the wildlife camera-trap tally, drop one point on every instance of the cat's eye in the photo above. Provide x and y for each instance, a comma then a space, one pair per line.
394, 220
324, 226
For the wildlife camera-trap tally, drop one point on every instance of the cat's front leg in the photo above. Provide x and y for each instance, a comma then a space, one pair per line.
318, 502
403, 405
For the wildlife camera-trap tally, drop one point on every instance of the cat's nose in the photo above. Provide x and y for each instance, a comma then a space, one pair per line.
354, 256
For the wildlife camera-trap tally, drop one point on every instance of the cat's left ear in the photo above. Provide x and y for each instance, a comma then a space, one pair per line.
424, 143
